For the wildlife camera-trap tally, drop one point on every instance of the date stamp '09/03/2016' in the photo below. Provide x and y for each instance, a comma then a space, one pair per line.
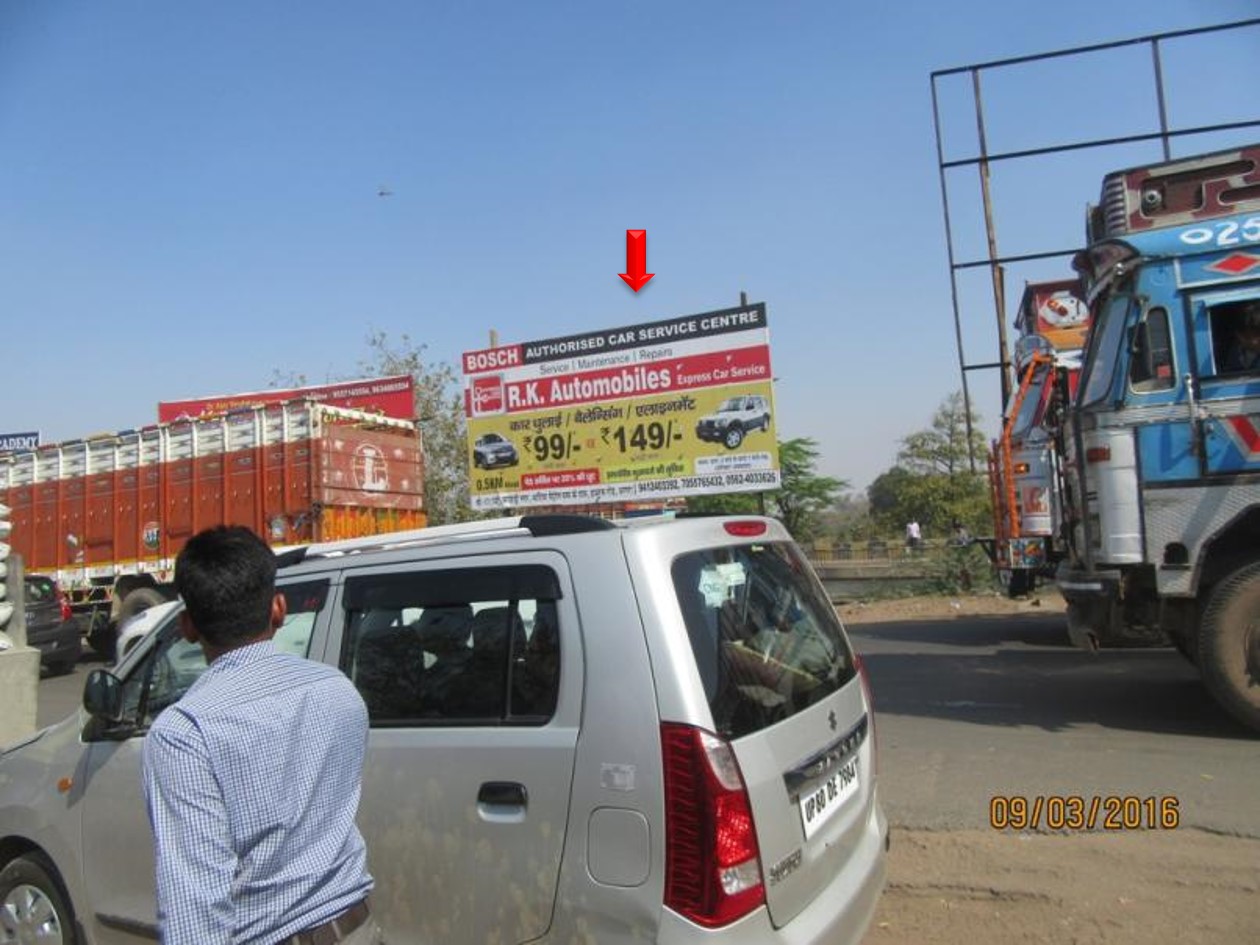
1078, 812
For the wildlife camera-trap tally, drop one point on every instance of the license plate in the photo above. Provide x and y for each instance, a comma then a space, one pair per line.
821, 804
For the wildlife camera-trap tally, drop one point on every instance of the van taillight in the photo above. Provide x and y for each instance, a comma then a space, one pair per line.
870, 710
712, 862
745, 529
66, 612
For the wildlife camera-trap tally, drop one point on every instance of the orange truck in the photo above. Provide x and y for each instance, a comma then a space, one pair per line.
1025, 474
106, 515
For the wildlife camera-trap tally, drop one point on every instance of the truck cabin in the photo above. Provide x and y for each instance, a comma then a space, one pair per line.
1173, 276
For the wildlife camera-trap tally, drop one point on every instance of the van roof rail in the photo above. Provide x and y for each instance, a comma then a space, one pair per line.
564, 524
536, 525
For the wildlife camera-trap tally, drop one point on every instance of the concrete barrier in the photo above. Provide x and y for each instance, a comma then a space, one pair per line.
19, 666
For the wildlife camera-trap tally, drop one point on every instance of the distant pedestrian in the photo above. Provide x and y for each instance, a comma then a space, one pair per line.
961, 536
914, 537
252, 779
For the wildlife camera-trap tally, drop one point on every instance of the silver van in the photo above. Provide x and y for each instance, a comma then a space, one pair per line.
652, 731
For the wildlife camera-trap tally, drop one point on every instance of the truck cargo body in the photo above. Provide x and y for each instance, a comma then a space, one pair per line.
91, 512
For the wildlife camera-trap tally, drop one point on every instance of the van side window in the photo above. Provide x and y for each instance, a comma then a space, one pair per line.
462, 647
1151, 367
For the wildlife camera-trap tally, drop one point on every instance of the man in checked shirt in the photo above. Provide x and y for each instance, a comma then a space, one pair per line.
252, 779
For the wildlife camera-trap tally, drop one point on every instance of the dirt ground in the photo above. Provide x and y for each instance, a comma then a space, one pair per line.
973, 887
1045, 600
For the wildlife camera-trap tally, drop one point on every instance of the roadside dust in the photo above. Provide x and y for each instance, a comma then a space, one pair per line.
940, 607
972, 887
984, 887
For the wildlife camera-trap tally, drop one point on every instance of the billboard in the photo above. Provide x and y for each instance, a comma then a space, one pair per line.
389, 396
654, 411
11, 442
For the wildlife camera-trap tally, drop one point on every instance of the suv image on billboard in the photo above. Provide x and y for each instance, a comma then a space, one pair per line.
493, 449
646, 731
735, 416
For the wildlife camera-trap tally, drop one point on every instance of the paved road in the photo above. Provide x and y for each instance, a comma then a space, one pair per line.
61, 695
981, 706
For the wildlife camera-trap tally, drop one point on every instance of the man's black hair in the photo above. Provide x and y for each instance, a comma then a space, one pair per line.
226, 576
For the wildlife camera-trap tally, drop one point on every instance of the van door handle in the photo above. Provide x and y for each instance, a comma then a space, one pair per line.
503, 794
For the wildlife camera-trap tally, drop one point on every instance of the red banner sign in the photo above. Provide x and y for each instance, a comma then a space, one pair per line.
389, 396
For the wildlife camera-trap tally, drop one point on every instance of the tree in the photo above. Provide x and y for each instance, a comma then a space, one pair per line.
943, 448
804, 495
932, 481
440, 414
801, 501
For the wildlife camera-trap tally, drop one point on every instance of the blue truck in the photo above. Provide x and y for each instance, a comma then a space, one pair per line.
1162, 442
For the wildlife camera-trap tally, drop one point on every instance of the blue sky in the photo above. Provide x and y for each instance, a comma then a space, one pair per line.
188, 192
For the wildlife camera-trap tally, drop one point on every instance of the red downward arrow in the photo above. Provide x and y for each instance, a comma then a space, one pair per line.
636, 260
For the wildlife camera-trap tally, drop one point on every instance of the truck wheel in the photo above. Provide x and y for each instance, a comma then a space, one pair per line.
733, 436
137, 602
100, 636
32, 907
1229, 644
104, 637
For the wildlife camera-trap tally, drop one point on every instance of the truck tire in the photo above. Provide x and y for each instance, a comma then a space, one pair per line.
100, 636
137, 602
32, 903
104, 637
1229, 644
733, 436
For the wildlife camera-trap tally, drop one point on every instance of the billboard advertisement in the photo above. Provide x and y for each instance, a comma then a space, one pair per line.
653, 411
389, 396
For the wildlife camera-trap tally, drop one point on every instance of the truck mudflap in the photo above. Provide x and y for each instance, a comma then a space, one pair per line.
1111, 609
1093, 610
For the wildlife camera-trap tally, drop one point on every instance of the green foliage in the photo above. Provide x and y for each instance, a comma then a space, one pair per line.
440, 414
804, 495
942, 449
800, 504
932, 481
729, 503
962, 569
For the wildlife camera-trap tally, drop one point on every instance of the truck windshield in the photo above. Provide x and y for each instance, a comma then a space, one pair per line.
1102, 357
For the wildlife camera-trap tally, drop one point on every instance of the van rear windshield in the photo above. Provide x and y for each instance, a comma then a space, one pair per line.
765, 637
